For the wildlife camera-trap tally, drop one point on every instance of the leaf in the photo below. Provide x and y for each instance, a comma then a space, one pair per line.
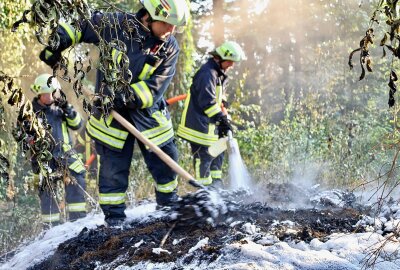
384, 39
351, 57
364, 57
23, 20
4, 163
390, 48
393, 75
392, 91
369, 62
10, 84
362, 73
16, 97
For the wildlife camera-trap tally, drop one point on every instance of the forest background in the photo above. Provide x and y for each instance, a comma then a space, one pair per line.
301, 115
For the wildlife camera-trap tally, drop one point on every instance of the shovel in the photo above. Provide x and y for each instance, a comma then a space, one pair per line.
225, 143
164, 157
207, 202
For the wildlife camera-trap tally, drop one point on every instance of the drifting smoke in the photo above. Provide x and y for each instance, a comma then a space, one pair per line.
293, 47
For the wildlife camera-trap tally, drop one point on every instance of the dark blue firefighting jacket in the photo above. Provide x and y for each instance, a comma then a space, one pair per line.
203, 105
150, 79
60, 121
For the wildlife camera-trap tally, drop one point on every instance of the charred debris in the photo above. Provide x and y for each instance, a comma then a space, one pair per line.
171, 236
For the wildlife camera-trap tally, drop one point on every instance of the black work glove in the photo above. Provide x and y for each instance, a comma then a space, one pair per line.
103, 105
119, 100
122, 100
226, 104
223, 126
50, 57
61, 101
131, 103
68, 110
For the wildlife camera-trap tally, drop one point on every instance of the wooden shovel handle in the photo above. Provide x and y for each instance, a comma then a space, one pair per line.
164, 157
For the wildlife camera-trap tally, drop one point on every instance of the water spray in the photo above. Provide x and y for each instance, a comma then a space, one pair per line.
238, 174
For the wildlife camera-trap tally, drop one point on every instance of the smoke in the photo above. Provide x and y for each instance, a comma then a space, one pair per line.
292, 46
375, 192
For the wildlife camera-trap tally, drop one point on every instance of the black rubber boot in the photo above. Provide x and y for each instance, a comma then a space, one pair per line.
166, 199
73, 216
48, 226
217, 183
114, 222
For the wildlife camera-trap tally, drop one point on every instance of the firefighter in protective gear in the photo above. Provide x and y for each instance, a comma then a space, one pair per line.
84, 146
152, 52
203, 120
59, 115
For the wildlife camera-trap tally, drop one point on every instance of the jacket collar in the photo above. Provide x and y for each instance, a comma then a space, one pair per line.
37, 107
217, 67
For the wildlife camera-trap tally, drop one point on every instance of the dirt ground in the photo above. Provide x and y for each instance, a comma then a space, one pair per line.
183, 227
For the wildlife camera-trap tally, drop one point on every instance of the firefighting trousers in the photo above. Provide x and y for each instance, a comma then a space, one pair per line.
74, 197
207, 168
114, 175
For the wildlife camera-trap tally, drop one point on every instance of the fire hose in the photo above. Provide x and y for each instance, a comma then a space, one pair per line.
90, 160
175, 99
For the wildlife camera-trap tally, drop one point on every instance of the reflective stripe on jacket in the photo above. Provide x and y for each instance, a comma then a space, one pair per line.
106, 131
203, 105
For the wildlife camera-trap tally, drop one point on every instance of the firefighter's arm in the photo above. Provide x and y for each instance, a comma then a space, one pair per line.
154, 80
69, 36
207, 101
73, 118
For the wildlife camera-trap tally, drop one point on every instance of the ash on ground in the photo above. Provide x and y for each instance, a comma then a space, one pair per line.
202, 223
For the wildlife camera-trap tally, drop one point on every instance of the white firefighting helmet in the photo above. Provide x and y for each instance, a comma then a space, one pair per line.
41, 86
175, 12
230, 50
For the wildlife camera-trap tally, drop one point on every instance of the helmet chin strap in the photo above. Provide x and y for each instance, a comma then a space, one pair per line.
149, 21
219, 61
139, 20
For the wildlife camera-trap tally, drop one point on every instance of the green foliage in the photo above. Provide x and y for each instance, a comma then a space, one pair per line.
12, 51
295, 103
346, 145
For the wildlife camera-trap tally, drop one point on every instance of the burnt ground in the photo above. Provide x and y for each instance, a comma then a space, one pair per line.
190, 221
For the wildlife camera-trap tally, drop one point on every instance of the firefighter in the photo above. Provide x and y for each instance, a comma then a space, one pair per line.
152, 51
203, 119
59, 115
84, 146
